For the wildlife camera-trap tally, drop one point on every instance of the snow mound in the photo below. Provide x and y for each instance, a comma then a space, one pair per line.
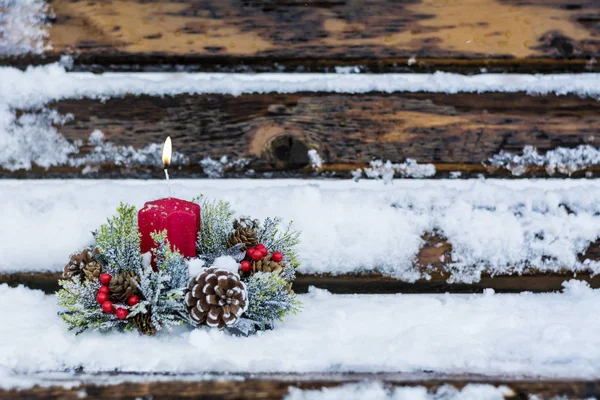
548, 335
23, 27
376, 391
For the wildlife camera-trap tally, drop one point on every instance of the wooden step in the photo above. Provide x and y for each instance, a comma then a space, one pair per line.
319, 35
434, 257
276, 386
457, 133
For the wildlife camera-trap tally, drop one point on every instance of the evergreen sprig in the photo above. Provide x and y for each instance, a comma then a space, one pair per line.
269, 299
118, 241
217, 219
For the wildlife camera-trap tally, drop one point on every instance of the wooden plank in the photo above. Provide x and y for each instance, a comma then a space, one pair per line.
273, 132
276, 386
318, 35
434, 256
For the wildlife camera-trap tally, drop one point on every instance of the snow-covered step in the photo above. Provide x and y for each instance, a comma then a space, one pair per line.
264, 125
490, 227
524, 335
330, 386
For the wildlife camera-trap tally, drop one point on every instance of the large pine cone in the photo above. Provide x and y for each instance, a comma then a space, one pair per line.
83, 265
244, 232
143, 322
266, 265
123, 285
216, 297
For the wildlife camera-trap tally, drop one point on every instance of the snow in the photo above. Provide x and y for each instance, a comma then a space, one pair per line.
496, 226
315, 159
33, 139
561, 159
387, 171
22, 27
377, 391
216, 169
226, 263
531, 335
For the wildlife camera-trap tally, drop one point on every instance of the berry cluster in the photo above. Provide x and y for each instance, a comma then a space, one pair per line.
257, 253
107, 306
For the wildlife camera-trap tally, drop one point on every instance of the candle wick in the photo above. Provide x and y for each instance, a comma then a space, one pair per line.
168, 182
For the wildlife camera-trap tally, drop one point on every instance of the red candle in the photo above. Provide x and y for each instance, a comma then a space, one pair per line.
180, 218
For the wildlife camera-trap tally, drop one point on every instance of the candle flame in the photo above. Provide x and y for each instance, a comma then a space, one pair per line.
166, 153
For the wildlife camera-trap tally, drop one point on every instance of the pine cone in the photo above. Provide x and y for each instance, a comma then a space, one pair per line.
216, 297
143, 322
244, 232
123, 285
266, 265
83, 265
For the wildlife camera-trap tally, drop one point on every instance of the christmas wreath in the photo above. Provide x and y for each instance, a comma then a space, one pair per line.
239, 280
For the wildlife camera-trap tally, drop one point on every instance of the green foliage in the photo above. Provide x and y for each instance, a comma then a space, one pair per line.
217, 218
269, 299
118, 241
283, 240
162, 290
82, 312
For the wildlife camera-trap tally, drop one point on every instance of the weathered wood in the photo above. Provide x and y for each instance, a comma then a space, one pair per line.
318, 35
276, 386
274, 131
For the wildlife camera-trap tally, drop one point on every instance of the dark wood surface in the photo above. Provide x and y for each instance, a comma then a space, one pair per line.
273, 132
317, 35
276, 386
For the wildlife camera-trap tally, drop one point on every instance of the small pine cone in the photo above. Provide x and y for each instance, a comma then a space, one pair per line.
123, 285
143, 322
266, 265
216, 297
245, 232
83, 265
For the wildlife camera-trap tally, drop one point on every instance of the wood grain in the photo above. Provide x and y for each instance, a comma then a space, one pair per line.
317, 35
276, 386
455, 132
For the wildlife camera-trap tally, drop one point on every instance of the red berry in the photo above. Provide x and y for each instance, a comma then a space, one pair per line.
101, 298
107, 306
245, 266
133, 300
250, 251
121, 313
256, 255
104, 289
263, 251
260, 246
105, 279
277, 257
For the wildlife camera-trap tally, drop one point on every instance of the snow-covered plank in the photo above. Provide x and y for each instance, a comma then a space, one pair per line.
483, 227
529, 335
228, 125
320, 35
330, 386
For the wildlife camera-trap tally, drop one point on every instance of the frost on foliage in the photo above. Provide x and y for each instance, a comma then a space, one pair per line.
561, 159
216, 168
32, 139
269, 299
386, 171
284, 240
104, 152
377, 391
82, 311
162, 290
23, 27
216, 217
118, 241
315, 159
